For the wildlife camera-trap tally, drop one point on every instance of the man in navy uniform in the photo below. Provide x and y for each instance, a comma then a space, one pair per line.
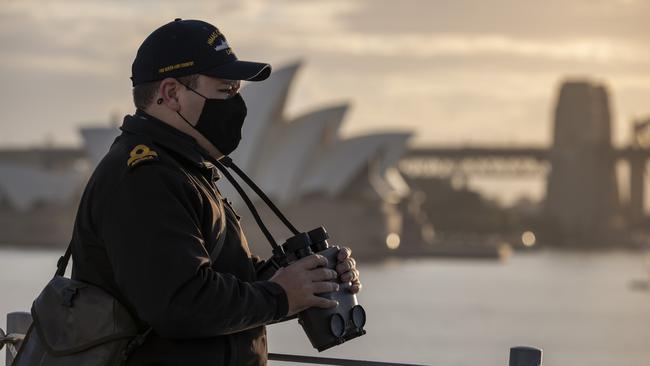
151, 215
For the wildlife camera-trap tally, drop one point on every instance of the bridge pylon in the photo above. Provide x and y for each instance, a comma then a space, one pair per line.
582, 191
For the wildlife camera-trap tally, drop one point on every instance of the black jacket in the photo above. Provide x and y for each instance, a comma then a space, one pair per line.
148, 219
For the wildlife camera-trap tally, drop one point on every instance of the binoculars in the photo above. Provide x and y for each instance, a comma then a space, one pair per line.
325, 328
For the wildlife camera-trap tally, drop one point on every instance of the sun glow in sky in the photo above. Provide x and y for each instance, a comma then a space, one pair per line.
454, 72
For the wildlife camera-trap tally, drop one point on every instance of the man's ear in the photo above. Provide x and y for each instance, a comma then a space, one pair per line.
168, 93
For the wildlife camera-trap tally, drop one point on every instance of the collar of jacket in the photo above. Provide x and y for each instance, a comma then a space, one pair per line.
142, 123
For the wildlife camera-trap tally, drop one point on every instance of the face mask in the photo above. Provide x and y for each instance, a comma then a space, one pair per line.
221, 121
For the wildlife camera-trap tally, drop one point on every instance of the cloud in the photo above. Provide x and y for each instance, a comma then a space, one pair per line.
450, 69
80, 35
59, 64
463, 45
93, 33
550, 19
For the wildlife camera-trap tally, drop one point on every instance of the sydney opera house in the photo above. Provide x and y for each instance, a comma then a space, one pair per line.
349, 185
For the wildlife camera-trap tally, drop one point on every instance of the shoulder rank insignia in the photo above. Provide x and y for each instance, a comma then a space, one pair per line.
141, 153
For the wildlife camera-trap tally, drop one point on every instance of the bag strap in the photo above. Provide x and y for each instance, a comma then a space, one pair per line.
62, 263
217, 248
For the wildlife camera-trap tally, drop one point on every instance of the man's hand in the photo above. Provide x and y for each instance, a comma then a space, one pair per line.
347, 269
305, 278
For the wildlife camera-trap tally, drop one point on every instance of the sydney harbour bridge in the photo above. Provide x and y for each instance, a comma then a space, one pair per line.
580, 166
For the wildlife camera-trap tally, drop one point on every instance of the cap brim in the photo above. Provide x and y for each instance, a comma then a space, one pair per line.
241, 70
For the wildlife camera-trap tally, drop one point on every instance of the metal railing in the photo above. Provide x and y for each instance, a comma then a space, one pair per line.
19, 322
17, 325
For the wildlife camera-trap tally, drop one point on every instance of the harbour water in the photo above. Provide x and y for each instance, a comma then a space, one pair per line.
581, 308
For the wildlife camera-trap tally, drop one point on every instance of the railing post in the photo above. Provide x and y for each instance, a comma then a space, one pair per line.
525, 356
17, 323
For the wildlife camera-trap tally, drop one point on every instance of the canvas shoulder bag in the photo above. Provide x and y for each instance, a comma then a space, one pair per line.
76, 323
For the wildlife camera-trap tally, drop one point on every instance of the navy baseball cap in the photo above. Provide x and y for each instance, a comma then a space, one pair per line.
185, 47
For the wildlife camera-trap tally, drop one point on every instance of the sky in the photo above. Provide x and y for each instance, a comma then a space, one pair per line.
452, 72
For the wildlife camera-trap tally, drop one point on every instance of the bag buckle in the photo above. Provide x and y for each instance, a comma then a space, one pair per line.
136, 342
68, 294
